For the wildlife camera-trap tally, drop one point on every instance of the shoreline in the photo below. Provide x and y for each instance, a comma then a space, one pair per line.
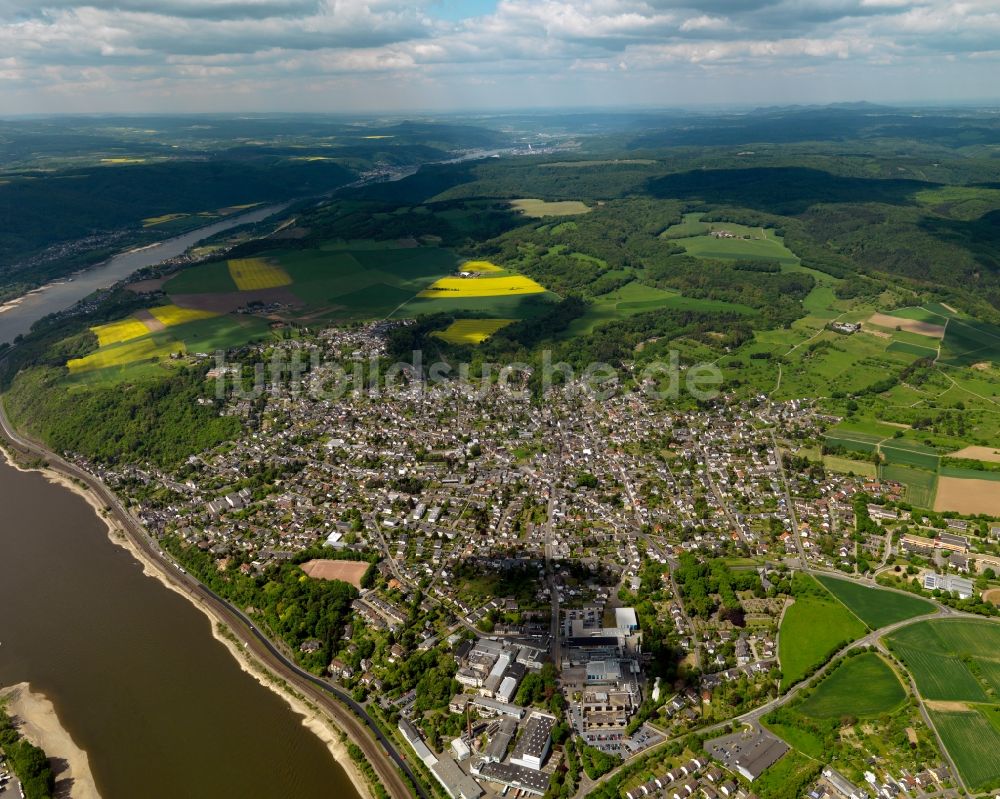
313, 719
38, 722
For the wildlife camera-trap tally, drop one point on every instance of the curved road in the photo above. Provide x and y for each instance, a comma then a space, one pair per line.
347, 714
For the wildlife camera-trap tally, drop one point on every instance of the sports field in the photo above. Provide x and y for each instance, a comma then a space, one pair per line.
116, 332
250, 274
471, 331
813, 628
973, 743
876, 607
459, 287
938, 654
863, 686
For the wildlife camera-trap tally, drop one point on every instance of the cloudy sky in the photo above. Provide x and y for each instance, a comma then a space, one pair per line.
385, 55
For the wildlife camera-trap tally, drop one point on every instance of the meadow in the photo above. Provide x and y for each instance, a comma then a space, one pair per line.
813, 628
748, 243
876, 607
541, 208
635, 298
973, 743
863, 686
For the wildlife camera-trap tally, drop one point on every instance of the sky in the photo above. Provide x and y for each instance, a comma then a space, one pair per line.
347, 56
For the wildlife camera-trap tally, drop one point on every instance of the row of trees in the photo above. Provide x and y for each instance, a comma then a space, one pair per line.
28, 762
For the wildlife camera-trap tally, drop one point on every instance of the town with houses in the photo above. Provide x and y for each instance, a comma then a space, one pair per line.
553, 551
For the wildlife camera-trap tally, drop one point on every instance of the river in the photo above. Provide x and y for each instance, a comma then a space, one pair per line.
17, 316
136, 677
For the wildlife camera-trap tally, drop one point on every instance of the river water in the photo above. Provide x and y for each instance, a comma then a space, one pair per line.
161, 707
17, 316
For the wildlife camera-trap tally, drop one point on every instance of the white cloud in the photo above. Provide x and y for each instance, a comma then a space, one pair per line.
283, 46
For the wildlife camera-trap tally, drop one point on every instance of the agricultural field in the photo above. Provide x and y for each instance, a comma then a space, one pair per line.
691, 226
123, 353
252, 274
921, 485
471, 331
334, 282
541, 208
747, 243
117, 332
814, 627
634, 298
863, 686
939, 652
967, 495
461, 287
876, 607
973, 743
171, 315
834, 463
142, 357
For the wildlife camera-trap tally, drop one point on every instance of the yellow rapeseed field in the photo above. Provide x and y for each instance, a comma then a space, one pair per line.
459, 287
125, 353
114, 332
172, 315
472, 331
255, 273
480, 266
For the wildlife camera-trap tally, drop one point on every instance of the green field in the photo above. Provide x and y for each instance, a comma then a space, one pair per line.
921, 485
635, 298
211, 278
337, 281
863, 686
969, 341
908, 453
852, 444
762, 246
813, 628
938, 653
520, 306
834, 463
790, 776
912, 349
974, 744
691, 226
876, 607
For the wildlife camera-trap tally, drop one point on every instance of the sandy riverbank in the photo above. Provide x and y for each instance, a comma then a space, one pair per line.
37, 721
313, 719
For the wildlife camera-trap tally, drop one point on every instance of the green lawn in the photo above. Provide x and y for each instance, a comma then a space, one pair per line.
876, 607
813, 628
974, 744
863, 686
